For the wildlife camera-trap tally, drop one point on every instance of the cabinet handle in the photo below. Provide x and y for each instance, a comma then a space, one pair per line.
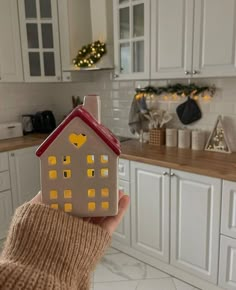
187, 72
195, 72
172, 174
165, 173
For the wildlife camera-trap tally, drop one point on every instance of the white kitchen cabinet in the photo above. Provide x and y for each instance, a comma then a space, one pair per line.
214, 38
40, 40
228, 220
150, 190
172, 38
227, 271
122, 233
195, 223
5, 212
194, 38
25, 175
131, 39
11, 69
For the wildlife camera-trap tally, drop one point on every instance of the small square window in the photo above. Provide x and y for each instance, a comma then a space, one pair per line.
104, 159
52, 174
91, 192
53, 194
105, 205
66, 160
67, 174
104, 172
54, 205
105, 192
52, 160
68, 207
91, 206
91, 172
67, 193
90, 159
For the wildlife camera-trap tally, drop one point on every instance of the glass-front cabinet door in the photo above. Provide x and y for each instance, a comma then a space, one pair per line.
40, 40
131, 38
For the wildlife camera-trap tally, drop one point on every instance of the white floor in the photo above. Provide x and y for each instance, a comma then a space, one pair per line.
118, 271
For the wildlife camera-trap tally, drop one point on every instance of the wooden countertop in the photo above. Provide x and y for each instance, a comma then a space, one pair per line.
213, 164
22, 142
220, 165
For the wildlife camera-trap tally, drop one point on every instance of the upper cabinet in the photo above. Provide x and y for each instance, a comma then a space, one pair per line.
131, 38
162, 39
194, 38
40, 40
172, 38
10, 48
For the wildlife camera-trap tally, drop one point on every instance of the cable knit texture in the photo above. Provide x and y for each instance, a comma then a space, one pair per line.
49, 249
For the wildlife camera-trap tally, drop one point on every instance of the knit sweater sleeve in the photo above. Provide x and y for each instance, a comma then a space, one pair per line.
49, 249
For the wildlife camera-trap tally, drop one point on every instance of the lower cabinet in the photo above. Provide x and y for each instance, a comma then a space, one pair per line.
195, 223
25, 175
5, 212
227, 273
150, 190
122, 233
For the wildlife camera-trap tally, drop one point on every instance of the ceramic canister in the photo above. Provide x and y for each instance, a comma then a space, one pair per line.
171, 137
184, 138
198, 140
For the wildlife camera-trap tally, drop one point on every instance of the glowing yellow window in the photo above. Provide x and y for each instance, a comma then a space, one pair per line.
105, 192
53, 194
105, 205
67, 173
90, 172
67, 207
66, 160
104, 158
54, 205
52, 174
90, 159
67, 193
104, 172
91, 192
91, 206
52, 160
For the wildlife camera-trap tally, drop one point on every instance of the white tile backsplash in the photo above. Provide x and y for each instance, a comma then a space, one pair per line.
116, 97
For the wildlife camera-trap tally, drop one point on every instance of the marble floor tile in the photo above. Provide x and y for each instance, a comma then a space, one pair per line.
180, 285
121, 285
156, 284
121, 267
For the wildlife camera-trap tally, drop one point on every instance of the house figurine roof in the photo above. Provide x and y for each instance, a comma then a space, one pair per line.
79, 112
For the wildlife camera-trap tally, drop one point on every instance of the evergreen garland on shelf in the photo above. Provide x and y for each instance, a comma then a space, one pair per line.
177, 89
89, 54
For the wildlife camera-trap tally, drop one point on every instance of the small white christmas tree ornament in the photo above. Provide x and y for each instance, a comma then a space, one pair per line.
218, 141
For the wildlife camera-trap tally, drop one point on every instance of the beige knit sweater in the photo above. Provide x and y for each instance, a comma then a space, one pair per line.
48, 249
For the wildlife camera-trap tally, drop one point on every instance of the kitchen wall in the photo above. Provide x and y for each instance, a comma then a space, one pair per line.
18, 99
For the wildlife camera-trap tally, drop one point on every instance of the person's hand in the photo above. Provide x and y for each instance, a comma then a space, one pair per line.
107, 223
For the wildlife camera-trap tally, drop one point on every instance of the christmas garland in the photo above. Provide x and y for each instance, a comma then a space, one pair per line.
178, 89
90, 54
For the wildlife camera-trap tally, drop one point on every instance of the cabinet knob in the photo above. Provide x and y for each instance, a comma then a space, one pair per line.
165, 173
115, 76
172, 174
12, 154
58, 78
195, 72
186, 72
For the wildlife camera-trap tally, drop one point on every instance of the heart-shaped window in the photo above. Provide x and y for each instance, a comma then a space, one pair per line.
77, 140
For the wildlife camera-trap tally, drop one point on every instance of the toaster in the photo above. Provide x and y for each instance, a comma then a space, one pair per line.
44, 122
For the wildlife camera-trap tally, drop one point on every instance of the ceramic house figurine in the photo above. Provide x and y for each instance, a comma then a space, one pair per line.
79, 167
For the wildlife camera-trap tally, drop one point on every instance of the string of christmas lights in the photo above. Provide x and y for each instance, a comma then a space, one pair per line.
90, 54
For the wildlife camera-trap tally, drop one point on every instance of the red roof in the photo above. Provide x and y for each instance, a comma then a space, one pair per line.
79, 112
